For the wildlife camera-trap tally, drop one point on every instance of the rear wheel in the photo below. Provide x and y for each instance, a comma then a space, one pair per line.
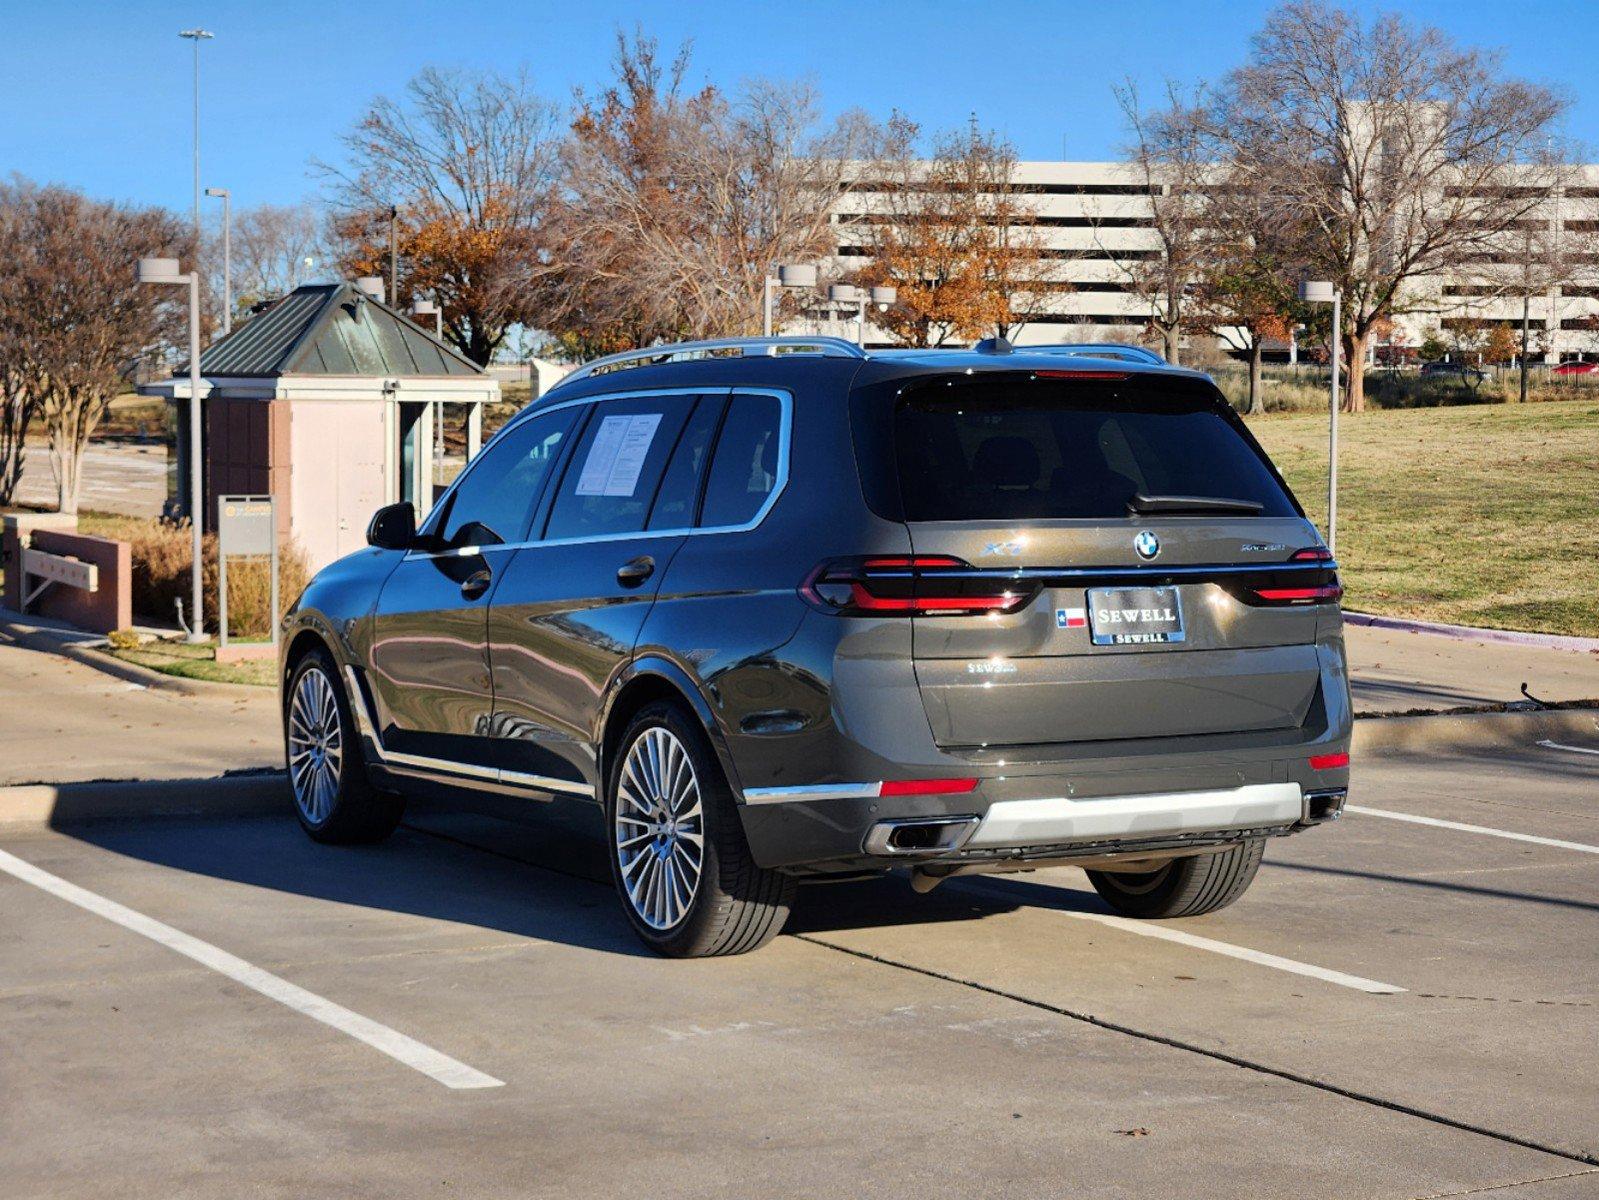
332, 795
687, 880
1184, 887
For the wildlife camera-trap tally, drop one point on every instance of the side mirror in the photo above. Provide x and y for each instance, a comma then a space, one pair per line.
393, 527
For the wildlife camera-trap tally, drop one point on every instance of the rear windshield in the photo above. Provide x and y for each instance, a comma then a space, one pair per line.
1020, 450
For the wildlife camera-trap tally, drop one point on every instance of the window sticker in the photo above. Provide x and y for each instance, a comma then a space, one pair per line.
616, 459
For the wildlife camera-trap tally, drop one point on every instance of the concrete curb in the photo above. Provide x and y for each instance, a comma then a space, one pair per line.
1473, 731
83, 651
256, 793
54, 804
1472, 633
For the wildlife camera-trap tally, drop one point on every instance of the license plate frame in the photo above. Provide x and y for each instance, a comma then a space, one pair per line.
1135, 616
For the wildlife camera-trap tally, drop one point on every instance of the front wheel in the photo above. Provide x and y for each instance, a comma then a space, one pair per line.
332, 796
1183, 887
687, 881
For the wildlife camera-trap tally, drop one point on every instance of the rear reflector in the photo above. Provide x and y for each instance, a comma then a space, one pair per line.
1300, 595
1328, 762
929, 787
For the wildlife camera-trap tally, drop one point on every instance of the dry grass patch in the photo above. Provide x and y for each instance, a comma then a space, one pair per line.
1485, 515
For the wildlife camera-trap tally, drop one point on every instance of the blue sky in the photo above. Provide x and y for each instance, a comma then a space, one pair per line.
97, 93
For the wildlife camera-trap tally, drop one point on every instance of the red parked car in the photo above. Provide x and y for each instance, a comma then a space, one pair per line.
1576, 368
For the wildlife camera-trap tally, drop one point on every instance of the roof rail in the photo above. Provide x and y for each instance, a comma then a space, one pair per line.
1125, 351
650, 356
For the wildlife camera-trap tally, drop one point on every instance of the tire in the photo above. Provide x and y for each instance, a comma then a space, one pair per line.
1184, 887
733, 905
333, 798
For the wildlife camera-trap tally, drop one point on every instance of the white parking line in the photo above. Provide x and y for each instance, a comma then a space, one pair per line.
396, 1045
1562, 746
1258, 957
1582, 847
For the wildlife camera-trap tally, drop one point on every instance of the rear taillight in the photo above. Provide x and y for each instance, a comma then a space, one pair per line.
905, 585
1311, 554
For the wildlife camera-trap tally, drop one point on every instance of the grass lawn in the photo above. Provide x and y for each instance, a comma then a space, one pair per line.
198, 662
1480, 515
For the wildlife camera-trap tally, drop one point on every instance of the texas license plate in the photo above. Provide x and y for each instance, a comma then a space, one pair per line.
1134, 616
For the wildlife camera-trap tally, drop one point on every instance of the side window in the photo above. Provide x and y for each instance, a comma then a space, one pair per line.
680, 487
744, 466
495, 499
610, 482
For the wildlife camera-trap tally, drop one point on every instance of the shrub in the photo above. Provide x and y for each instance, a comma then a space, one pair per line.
161, 556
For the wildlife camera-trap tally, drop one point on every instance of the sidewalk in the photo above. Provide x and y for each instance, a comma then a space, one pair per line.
1395, 672
65, 722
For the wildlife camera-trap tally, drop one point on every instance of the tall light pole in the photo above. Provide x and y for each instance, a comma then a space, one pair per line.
227, 256
1321, 291
196, 36
796, 275
166, 270
394, 256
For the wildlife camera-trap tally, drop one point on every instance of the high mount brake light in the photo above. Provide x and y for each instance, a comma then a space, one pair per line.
1080, 374
905, 585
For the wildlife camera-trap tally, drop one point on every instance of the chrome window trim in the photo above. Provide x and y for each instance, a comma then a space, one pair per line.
813, 791
785, 439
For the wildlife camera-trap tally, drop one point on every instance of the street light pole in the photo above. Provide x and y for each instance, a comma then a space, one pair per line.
1323, 292
196, 36
793, 275
394, 257
165, 270
227, 256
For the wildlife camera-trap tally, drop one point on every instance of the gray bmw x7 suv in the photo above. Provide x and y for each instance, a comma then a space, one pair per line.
783, 609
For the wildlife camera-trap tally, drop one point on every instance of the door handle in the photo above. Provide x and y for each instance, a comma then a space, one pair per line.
635, 571
476, 584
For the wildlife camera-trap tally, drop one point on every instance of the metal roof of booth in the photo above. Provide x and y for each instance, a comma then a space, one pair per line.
331, 329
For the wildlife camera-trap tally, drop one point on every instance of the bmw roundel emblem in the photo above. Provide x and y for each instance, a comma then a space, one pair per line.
1147, 544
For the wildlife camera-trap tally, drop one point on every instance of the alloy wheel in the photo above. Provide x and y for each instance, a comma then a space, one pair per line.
659, 829
316, 746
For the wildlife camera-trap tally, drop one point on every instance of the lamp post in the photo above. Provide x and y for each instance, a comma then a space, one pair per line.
1321, 291
427, 308
227, 256
166, 270
848, 293
394, 256
795, 275
196, 36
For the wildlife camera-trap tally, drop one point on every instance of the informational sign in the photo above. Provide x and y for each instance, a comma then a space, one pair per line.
247, 527
616, 457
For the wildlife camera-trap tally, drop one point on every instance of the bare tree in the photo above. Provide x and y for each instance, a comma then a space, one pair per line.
86, 321
19, 390
1173, 161
469, 162
952, 233
1400, 153
678, 203
274, 248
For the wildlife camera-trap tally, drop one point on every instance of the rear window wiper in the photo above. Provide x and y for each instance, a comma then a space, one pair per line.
1141, 504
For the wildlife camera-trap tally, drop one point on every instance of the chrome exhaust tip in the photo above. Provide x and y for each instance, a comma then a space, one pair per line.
1323, 806
914, 836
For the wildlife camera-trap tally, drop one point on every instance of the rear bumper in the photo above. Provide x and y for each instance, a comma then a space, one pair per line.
845, 830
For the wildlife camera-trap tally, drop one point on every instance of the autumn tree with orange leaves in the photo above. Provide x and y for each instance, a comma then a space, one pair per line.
469, 162
952, 235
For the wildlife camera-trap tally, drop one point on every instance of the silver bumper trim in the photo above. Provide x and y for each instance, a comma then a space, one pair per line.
1058, 819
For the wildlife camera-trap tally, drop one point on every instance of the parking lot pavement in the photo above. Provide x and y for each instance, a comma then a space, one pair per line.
118, 477
995, 1037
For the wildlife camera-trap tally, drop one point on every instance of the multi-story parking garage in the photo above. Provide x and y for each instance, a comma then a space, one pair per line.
1094, 226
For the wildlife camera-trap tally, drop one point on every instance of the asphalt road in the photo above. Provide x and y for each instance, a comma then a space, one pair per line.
462, 1011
